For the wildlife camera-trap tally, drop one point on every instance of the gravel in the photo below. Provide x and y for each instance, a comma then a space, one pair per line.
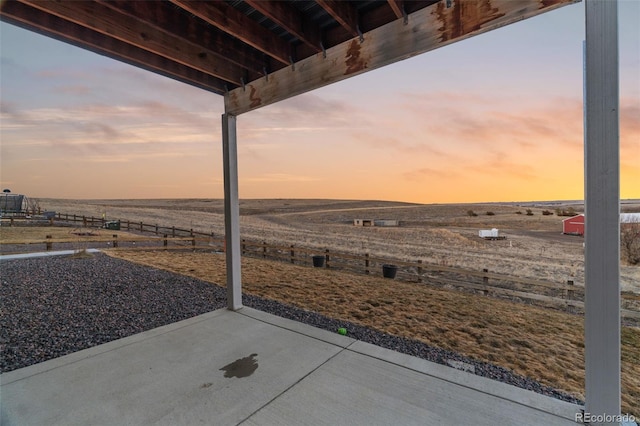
54, 306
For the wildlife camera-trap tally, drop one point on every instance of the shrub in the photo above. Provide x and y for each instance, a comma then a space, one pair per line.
471, 213
529, 212
490, 213
547, 213
630, 242
518, 212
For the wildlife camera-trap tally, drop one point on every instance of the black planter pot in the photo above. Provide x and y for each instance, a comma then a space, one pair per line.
389, 271
318, 261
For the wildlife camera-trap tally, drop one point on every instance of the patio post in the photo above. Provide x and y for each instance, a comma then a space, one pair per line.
602, 210
231, 212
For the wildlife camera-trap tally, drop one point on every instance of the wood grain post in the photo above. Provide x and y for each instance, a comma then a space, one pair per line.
367, 264
49, 243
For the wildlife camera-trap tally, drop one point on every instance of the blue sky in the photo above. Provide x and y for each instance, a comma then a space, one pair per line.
497, 117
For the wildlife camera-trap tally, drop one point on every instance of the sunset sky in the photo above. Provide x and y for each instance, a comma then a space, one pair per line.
497, 117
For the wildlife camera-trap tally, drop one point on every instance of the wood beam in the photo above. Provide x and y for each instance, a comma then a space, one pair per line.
427, 29
38, 21
290, 19
235, 23
344, 13
163, 17
397, 7
111, 23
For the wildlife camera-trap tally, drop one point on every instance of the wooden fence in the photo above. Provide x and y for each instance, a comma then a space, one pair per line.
565, 295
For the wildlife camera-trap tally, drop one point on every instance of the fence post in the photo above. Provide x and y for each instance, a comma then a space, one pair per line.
485, 279
156, 229
165, 242
326, 258
420, 270
244, 246
11, 224
173, 231
115, 240
49, 243
293, 255
366, 264
128, 225
84, 221
264, 249
570, 292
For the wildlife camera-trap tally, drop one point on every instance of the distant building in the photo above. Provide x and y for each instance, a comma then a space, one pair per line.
376, 222
575, 225
386, 222
12, 203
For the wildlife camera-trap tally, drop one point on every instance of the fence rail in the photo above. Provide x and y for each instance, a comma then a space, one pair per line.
485, 282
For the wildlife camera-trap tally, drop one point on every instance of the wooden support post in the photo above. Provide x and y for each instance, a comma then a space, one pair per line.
49, 244
165, 242
264, 249
244, 247
140, 226
293, 255
419, 270
11, 221
128, 226
84, 221
115, 240
367, 264
485, 279
173, 231
327, 258
231, 211
156, 229
602, 210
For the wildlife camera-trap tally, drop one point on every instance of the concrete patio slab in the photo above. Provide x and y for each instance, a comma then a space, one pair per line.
253, 368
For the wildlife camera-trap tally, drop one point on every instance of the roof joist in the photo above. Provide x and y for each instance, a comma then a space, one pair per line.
344, 13
235, 23
427, 29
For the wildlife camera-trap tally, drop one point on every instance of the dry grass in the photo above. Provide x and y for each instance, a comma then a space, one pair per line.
545, 345
37, 234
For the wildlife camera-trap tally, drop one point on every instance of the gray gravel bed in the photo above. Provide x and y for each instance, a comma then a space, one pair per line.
58, 305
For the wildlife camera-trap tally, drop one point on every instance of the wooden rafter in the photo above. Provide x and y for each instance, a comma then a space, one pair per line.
211, 41
429, 28
291, 20
343, 12
397, 7
110, 22
235, 23
36, 20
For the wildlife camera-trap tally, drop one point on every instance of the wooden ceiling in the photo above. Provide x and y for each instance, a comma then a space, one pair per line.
256, 52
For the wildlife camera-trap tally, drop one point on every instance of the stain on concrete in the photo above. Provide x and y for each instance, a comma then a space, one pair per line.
243, 367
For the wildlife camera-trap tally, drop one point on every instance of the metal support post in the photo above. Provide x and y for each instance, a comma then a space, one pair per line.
602, 210
231, 212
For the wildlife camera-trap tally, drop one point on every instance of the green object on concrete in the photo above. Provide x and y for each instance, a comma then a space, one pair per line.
342, 331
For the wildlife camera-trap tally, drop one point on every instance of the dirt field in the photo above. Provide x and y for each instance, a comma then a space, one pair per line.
441, 234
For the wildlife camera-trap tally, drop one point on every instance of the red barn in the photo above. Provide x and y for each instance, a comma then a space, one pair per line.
573, 225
